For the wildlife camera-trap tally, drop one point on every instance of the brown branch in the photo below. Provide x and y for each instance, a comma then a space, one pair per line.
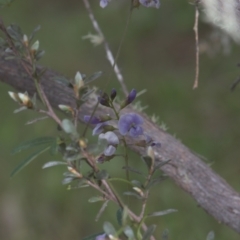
209, 190
195, 28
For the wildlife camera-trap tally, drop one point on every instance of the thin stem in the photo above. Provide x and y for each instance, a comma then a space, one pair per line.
110, 57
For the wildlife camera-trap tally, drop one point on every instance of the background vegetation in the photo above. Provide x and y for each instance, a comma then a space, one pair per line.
158, 55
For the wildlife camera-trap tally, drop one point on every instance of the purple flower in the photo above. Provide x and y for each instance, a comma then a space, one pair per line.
104, 99
101, 237
130, 123
103, 3
150, 3
92, 120
99, 128
132, 95
130, 98
112, 142
151, 142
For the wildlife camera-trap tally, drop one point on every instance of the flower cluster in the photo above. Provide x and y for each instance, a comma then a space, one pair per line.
111, 131
145, 3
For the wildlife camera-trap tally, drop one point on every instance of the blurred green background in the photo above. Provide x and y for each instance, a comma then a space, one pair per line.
158, 55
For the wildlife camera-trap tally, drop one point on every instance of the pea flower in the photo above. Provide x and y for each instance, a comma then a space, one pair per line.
102, 127
130, 123
101, 237
150, 3
92, 120
112, 142
104, 3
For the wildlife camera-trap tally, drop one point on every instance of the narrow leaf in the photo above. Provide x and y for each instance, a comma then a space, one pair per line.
103, 174
155, 181
33, 143
149, 232
129, 232
102, 209
93, 77
34, 32
119, 214
68, 127
108, 228
161, 213
52, 164
28, 160
133, 194
95, 199
211, 236
133, 170
136, 183
68, 180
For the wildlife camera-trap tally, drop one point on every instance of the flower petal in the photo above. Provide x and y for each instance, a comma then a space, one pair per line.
110, 150
136, 131
92, 120
103, 3
111, 138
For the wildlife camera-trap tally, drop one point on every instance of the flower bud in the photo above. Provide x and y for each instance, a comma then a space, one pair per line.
130, 98
113, 94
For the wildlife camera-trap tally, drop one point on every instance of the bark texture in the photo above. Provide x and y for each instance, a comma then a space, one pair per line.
209, 190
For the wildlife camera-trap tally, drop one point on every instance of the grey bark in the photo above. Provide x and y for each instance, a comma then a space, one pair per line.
209, 190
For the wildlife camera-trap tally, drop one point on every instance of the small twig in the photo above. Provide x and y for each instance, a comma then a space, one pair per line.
101, 210
195, 28
36, 120
110, 56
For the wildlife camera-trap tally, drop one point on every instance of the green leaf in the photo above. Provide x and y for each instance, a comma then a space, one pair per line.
68, 180
95, 199
136, 183
148, 161
211, 236
103, 174
149, 232
28, 160
165, 234
35, 30
119, 216
155, 181
33, 143
133, 170
93, 237
161, 213
69, 128
52, 164
160, 164
108, 228
92, 77
15, 32
129, 232
133, 194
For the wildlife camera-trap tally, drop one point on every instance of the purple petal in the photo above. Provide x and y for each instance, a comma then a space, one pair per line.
101, 237
127, 121
98, 129
103, 3
136, 131
111, 138
109, 151
132, 95
150, 3
93, 120
137, 119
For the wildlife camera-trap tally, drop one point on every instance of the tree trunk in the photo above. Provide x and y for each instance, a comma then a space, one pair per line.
210, 191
